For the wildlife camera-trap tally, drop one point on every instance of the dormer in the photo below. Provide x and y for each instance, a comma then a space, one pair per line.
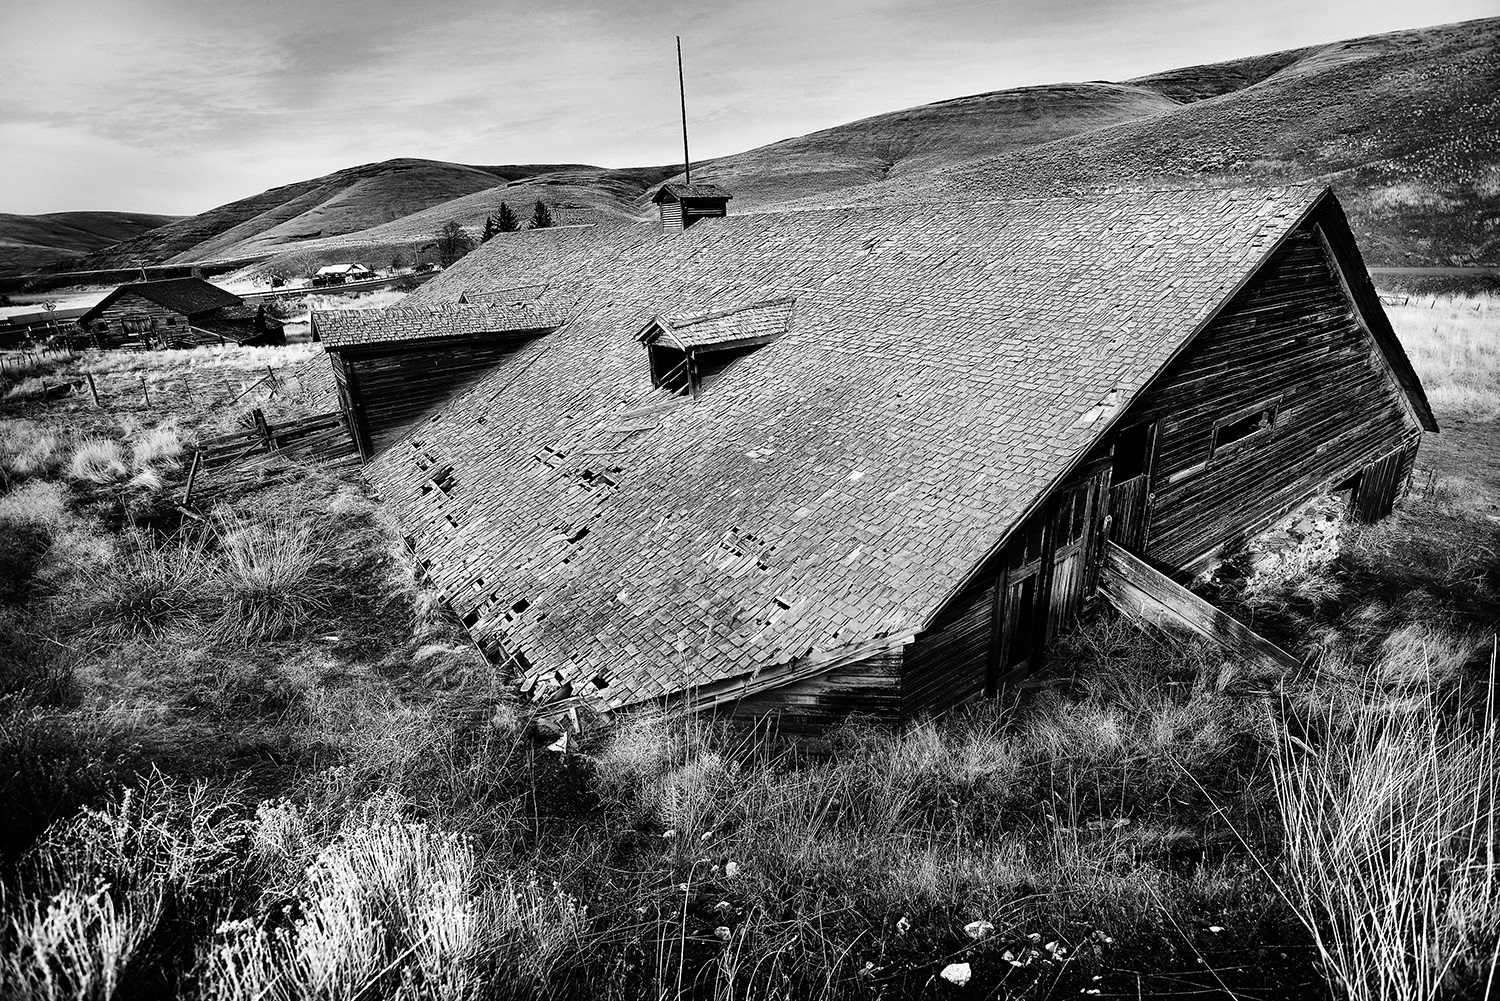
689, 352
684, 204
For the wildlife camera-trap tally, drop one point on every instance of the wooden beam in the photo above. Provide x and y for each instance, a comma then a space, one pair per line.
1147, 595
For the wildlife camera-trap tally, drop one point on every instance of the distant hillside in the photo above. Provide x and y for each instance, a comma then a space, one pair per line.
1406, 125
32, 241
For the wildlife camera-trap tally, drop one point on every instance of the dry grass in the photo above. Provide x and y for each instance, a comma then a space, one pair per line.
1392, 832
1454, 344
273, 575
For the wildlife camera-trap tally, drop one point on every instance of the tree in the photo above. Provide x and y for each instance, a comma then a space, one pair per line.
505, 220
489, 229
452, 243
541, 217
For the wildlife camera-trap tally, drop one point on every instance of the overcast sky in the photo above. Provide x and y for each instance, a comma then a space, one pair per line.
175, 107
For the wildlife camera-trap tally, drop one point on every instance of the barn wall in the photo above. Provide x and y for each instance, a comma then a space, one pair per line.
395, 390
870, 687
168, 321
949, 663
1291, 340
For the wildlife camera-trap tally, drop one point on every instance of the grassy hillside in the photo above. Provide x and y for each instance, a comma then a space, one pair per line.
1405, 125
31, 241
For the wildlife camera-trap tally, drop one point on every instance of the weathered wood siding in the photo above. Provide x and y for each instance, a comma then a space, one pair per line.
109, 327
671, 217
390, 392
1289, 340
870, 687
950, 662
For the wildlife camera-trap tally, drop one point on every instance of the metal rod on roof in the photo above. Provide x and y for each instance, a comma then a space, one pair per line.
687, 164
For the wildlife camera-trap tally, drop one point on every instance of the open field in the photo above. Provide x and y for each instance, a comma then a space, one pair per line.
254, 758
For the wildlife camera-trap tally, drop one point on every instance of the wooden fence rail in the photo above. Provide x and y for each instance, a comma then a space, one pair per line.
322, 436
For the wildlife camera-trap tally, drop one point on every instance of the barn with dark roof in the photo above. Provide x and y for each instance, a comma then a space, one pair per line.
178, 312
806, 463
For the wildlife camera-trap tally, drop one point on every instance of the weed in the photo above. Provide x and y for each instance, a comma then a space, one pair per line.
99, 461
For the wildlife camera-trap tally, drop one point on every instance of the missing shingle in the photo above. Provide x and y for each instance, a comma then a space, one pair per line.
578, 535
520, 606
786, 606
471, 619
600, 681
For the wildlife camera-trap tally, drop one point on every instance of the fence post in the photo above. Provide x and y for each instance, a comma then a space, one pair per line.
263, 429
92, 388
145, 392
192, 480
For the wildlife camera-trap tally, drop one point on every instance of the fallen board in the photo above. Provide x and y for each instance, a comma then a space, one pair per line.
1146, 594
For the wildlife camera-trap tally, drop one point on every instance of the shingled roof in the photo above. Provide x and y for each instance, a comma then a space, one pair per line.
188, 296
681, 191
757, 323
348, 328
944, 368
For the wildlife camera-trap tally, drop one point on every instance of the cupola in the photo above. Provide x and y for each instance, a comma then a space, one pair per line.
684, 204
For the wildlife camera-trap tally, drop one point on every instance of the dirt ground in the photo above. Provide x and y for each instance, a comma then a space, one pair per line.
1464, 458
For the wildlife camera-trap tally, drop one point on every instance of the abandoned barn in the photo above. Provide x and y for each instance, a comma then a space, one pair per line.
866, 459
177, 312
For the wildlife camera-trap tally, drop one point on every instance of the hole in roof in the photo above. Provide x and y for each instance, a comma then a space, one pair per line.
600, 681
520, 606
470, 619
577, 536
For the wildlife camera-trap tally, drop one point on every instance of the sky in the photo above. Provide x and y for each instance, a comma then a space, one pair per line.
175, 107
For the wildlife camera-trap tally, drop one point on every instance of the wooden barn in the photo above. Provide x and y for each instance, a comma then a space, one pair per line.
808, 463
177, 312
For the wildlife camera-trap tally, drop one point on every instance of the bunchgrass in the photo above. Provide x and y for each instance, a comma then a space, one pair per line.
273, 575
1392, 850
1454, 344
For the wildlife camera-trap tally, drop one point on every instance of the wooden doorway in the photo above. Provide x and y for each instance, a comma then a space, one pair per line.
1049, 571
1133, 456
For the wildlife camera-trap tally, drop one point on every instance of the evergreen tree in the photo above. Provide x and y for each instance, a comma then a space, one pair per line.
489, 229
505, 220
541, 217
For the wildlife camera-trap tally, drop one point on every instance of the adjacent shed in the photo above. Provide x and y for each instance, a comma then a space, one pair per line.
807, 463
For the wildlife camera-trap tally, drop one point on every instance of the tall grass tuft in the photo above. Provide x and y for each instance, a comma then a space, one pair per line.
393, 909
1392, 832
152, 588
273, 575
27, 451
99, 461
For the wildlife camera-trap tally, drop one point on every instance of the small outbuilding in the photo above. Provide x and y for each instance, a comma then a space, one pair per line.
794, 465
340, 274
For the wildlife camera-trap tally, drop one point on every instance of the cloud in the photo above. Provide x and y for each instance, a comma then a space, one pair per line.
166, 106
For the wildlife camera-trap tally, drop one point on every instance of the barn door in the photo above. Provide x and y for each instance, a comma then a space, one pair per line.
1075, 513
1046, 579
1130, 486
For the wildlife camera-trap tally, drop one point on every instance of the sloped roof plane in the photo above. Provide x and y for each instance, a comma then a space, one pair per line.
757, 323
832, 487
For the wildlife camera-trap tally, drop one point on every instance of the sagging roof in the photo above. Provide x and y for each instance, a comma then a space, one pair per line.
679, 192
757, 323
344, 269
943, 369
187, 296
341, 329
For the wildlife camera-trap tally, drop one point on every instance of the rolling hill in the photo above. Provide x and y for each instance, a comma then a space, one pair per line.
1406, 125
31, 241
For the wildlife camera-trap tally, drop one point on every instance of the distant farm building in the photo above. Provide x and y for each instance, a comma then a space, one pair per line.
339, 274
869, 460
178, 312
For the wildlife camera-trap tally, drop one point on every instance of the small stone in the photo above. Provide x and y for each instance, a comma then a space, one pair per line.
903, 925
978, 929
731, 869
669, 834
722, 933
957, 973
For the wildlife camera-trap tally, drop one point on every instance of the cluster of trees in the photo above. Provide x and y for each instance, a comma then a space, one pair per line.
505, 221
453, 242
